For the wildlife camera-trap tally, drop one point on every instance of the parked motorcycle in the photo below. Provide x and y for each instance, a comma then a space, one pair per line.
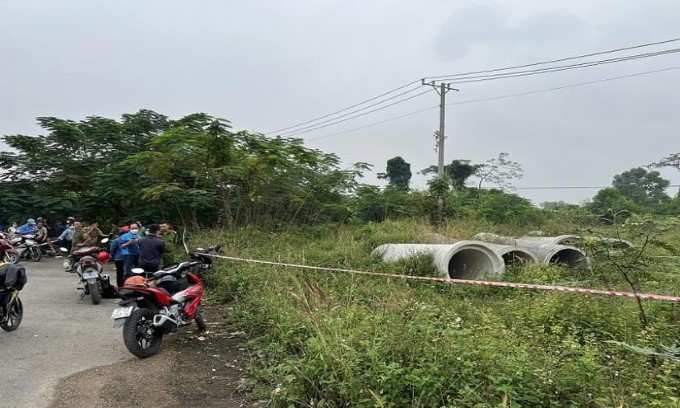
12, 280
8, 253
86, 263
170, 299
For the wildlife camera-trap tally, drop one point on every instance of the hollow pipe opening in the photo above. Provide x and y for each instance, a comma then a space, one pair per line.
570, 257
517, 258
470, 263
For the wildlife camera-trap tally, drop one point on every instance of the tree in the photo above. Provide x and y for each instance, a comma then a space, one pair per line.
398, 173
500, 172
672, 160
610, 204
458, 171
646, 189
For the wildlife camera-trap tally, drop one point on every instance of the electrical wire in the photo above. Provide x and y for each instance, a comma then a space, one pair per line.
593, 54
468, 76
350, 112
464, 80
492, 98
358, 115
346, 109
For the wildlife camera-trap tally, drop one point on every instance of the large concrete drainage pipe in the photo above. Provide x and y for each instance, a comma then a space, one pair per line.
462, 260
546, 249
512, 255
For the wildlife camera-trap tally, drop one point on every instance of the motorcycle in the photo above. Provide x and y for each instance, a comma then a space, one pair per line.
11, 309
27, 247
84, 261
8, 253
168, 300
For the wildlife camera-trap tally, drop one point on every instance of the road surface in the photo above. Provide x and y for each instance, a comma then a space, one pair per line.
60, 334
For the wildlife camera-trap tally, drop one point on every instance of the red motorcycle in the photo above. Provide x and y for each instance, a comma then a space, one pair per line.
8, 253
154, 307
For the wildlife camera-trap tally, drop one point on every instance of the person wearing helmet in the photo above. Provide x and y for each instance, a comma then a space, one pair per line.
29, 228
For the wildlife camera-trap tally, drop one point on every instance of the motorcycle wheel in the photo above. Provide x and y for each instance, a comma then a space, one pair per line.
200, 323
140, 336
11, 258
14, 315
95, 294
35, 254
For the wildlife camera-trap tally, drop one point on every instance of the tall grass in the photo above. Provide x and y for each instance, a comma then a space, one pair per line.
336, 340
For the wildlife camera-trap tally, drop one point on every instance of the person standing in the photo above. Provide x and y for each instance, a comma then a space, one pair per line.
118, 256
130, 249
170, 237
66, 238
151, 250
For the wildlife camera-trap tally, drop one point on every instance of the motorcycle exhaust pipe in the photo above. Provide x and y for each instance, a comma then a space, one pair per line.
161, 319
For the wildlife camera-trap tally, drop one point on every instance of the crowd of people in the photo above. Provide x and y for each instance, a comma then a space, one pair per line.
130, 245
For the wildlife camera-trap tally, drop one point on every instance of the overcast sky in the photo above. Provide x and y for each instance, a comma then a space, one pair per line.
265, 65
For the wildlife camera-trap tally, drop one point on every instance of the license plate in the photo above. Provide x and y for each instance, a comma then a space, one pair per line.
121, 312
90, 275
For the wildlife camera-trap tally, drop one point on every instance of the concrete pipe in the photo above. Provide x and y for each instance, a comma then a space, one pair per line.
548, 250
512, 255
461, 260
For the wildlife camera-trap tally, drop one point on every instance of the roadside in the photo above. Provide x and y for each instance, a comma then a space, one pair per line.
192, 369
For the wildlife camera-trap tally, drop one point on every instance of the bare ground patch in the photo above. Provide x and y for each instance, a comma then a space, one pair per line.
205, 370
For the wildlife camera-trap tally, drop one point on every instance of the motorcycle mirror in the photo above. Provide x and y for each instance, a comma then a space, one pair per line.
137, 271
104, 241
64, 250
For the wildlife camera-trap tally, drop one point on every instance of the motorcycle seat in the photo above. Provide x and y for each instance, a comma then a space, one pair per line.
173, 270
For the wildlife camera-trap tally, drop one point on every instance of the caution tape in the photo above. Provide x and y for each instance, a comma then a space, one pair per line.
530, 286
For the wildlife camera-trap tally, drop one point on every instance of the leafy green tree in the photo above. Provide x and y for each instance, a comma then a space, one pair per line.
458, 172
398, 173
610, 203
646, 189
499, 207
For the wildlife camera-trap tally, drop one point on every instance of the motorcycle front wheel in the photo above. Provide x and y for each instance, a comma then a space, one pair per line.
12, 319
35, 254
11, 258
139, 334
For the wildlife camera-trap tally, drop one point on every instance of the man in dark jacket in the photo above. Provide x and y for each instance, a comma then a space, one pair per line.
151, 250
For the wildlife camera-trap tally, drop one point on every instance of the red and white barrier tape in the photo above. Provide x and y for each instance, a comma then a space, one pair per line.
567, 289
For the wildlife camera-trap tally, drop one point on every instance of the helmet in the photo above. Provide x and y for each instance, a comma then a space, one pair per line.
30, 221
135, 280
103, 256
125, 228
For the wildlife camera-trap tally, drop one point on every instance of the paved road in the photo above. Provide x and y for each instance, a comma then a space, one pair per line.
60, 335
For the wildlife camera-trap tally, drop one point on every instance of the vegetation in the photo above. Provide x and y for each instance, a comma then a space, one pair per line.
336, 339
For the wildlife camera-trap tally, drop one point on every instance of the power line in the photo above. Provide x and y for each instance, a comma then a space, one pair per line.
492, 98
360, 114
297, 130
333, 115
593, 54
558, 88
516, 74
346, 109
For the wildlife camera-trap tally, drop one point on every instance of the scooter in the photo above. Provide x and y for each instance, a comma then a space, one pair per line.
85, 262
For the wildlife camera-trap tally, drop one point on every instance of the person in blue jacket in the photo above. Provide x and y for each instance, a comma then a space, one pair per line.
29, 228
118, 256
129, 249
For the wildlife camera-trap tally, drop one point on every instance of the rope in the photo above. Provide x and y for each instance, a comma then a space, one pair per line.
529, 286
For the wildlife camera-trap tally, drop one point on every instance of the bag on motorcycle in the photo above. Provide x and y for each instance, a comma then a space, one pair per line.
13, 276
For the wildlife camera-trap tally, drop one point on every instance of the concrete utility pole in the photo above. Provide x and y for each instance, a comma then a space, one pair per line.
443, 89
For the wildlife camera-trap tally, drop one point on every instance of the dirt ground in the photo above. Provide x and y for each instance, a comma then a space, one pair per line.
192, 369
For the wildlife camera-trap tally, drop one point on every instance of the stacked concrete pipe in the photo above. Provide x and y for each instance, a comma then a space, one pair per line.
460, 260
548, 250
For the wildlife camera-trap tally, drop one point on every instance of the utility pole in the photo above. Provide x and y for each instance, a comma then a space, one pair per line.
441, 89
